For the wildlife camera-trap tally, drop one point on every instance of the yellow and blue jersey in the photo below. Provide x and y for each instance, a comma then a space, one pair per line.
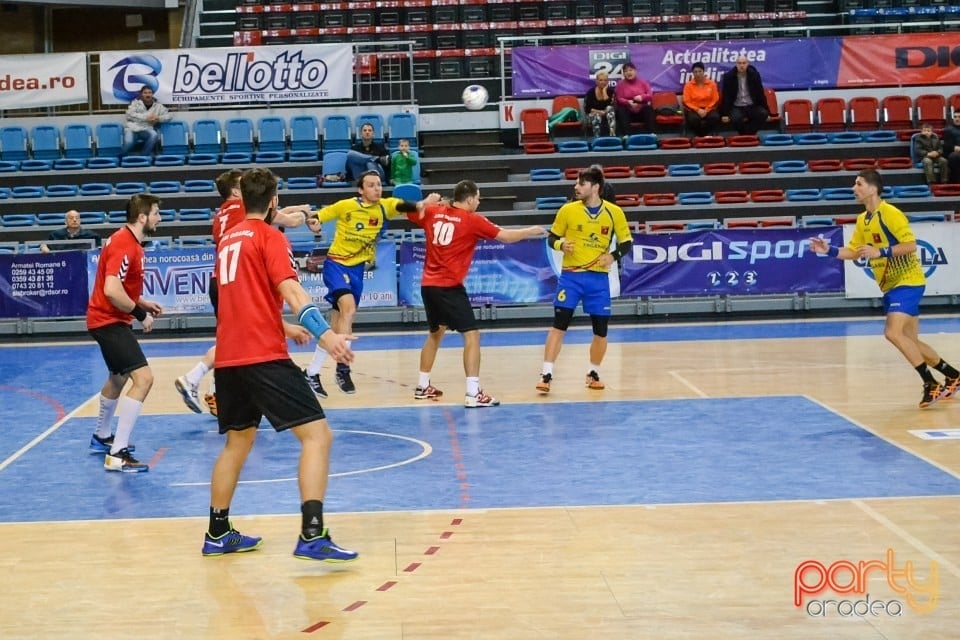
888, 227
591, 234
358, 226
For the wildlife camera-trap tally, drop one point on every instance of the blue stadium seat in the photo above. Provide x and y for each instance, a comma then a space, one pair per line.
373, 119
77, 141
845, 137
194, 214
168, 215
336, 132
573, 146
838, 193
169, 160
304, 139
810, 138
7, 166
136, 161
102, 163
334, 162
802, 195
268, 157
93, 217
36, 165
912, 191
69, 164
109, 139
96, 189
19, 219
302, 239
164, 186
641, 142
49, 219
45, 142
301, 182
199, 186
236, 157
238, 135
116, 217
129, 188
402, 125
174, 138
538, 175
689, 169
789, 166
206, 137
927, 217
777, 140
26, 191
606, 143
60, 190
194, 241
13, 143
880, 136
695, 197
202, 158
271, 134
4, 193
550, 202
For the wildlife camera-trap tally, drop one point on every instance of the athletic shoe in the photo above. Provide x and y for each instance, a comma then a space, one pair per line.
428, 392
124, 462
315, 384
102, 445
931, 393
544, 385
189, 393
322, 548
950, 386
343, 380
593, 381
231, 542
211, 400
480, 400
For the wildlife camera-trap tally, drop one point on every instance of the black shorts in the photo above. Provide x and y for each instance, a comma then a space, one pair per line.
276, 390
449, 307
214, 293
120, 348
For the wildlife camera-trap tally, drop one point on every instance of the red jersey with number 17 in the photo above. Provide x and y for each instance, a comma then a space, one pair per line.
452, 235
122, 256
253, 258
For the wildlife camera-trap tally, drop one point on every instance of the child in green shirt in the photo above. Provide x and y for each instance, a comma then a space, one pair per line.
402, 163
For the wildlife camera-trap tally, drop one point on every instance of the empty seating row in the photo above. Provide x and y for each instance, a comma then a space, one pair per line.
866, 113
238, 140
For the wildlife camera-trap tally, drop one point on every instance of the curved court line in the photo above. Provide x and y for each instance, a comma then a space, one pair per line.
427, 450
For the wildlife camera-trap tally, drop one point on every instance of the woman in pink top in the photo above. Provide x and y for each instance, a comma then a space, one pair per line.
633, 101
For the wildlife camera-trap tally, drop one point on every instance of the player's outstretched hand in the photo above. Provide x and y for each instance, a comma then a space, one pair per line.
819, 245
298, 334
151, 307
336, 345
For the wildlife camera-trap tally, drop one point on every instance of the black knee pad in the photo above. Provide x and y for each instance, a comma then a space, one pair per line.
561, 318
600, 325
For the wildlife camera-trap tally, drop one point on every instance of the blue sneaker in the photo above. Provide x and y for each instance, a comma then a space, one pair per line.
102, 445
231, 542
322, 548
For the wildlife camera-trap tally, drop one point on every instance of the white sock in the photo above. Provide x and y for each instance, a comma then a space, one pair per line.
129, 411
195, 375
319, 357
213, 386
105, 418
424, 381
473, 386
547, 368
594, 367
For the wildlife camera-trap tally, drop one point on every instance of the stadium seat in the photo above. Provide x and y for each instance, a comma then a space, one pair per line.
236, 157
880, 136
709, 142
238, 136
947, 190
271, 134
650, 170
931, 108
136, 161
844, 137
36, 165
199, 186
200, 214
129, 188
116, 217
838, 193
572, 128
797, 115
538, 175
641, 142
912, 191
164, 186
203, 158
49, 219
678, 142
810, 138
337, 132
755, 167
897, 112
741, 223
720, 168
26, 191
831, 114
776, 140
45, 142
802, 195
731, 197
334, 162
7, 166
927, 217
169, 160
13, 143
695, 197
69, 164
400, 126
666, 227
767, 195
628, 200
174, 138
858, 164
96, 189
207, 137
789, 166
689, 169
301, 182
864, 113
572, 173
550, 202
816, 221
696, 225
534, 136
99, 163
743, 141
573, 146
606, 143
617, 171
898, 162
60, 190
77, 141
669, 113
109, 139
19, 219
766, 223
373, 119
304, 139
825, 164
659, 199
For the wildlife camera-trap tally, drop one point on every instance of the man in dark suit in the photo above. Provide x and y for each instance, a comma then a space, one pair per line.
743, 102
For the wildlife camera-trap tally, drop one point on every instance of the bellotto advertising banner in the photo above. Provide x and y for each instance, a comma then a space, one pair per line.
229, 75
805, 63
43, 80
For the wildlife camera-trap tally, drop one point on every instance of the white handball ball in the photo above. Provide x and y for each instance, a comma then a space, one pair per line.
475, 97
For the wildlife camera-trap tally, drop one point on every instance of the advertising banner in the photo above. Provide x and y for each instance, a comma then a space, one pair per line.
379, 280
803, 63
518, 273
43, 285
730, 262
229, 75
938, 247
43, 80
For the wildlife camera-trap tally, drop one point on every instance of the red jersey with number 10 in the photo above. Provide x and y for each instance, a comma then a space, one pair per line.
452, 235
253, 258
122, 256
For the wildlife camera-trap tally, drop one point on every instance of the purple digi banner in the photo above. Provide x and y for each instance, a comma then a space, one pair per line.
730, 262
43, 285
783, 64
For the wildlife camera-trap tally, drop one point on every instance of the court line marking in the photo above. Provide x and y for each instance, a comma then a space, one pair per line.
910, 538
43, 436
689, 385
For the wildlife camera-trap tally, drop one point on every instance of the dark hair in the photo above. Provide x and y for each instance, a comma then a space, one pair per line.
226, 181
140, 203
258, 187
465, 189
363, 176
697, 65
593, 175
629, 65
872, 177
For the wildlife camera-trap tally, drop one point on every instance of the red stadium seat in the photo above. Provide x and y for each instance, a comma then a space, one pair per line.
572, 173
741, 224
743, 141
674, 143
709, 142
825, 165
649, 171
616, 172
767, 195
842, 220
628, 200
952, 190
859, 164
864, 113
661, 227
897, 112
797, 116
831, 114
731, 197
659, 199
778, 222
662, 103
931, 108
773, 107
719, 168
756, 166
534, 135
567, 128
898, 162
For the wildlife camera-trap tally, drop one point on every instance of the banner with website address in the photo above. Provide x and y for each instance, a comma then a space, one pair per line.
229, 75
803, 63
43, 285
43, 80
938, 247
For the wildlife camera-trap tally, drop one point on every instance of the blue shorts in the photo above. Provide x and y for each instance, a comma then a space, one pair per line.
592, 288
903, 300
339, 278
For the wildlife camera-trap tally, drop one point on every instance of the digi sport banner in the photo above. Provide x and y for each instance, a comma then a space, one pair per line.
784, 64
229, 75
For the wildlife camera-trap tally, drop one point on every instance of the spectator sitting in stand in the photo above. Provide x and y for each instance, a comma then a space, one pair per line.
73, 231
367, 155
929, 149
700, 100
600, 106
142, 117
633, 101
951, 146
743, 102
402, 163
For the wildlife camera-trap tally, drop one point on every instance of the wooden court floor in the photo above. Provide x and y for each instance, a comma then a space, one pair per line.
684, 570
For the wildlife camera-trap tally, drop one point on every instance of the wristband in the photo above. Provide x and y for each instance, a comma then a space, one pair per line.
833, 252
139, 313
311, 320
558, 245
886, 252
